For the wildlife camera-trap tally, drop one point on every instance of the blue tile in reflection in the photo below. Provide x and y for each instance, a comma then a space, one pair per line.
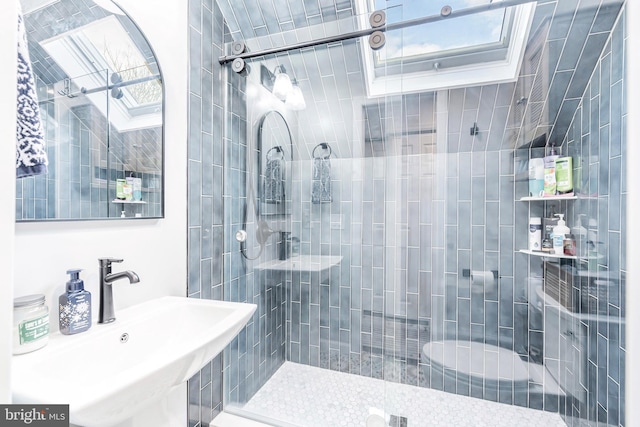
492, 226
464, 318
477, 306
477, 248
496, 132
464, 189
478, 201
464, 225
451, 293
590, 54
506, 302
605, 90
615, 203
456, 102
451, 242
507, 193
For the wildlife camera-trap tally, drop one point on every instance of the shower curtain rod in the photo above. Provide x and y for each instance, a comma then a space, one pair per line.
368, 31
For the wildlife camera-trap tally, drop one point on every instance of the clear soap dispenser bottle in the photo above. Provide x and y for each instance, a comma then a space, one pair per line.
75, 306
560, 231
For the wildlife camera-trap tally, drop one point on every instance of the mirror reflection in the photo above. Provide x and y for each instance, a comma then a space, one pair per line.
100, 94
275, 148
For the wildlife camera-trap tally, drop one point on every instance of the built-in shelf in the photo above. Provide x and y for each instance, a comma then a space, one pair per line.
129, 202
307, 263
547, 255
544, 199
551, 302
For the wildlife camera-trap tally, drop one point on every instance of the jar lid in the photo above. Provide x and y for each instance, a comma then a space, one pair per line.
28, 300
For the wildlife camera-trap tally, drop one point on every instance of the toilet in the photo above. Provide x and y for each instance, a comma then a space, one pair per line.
481, 365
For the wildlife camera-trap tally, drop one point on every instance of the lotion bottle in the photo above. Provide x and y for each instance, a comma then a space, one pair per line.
75, 306
535, 233
559, 232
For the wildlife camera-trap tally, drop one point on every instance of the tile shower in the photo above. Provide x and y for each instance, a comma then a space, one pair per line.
408, 227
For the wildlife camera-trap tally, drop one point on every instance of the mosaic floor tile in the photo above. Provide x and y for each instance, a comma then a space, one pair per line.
314, 397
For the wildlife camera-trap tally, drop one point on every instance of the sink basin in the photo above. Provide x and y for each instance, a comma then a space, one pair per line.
112, 371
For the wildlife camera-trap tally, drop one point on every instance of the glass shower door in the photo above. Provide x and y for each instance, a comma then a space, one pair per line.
332, 260
392, 195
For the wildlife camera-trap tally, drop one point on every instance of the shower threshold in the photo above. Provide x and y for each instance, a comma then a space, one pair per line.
306, 396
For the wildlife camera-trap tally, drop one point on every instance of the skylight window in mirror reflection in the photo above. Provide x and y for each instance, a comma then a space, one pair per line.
105, 45
456, 34
100, 51
121, 55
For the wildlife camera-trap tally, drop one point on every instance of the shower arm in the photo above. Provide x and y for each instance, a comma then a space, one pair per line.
368, 31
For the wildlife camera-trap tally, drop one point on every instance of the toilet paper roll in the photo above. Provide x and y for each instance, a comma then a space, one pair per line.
482, 281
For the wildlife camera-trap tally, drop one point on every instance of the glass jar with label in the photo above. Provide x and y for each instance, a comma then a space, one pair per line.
30, 323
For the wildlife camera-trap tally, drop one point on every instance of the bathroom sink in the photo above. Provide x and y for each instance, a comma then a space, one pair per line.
110, 372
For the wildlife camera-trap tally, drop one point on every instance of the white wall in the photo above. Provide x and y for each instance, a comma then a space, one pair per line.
633, 213
7, 175
155, 249
40, 253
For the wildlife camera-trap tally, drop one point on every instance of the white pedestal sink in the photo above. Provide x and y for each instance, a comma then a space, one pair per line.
113, 372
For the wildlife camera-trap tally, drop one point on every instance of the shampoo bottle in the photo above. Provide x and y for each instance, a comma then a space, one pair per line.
550, 185
559, 232
75, 306
564, 175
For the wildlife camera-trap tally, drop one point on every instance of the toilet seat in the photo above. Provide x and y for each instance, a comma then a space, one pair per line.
479, 364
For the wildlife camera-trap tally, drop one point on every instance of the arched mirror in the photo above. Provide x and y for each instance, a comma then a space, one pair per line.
275, 151
100, 93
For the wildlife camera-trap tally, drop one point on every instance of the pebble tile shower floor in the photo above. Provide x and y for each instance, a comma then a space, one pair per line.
314, 397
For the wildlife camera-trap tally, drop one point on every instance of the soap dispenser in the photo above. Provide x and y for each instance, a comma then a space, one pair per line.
559, 232
75, 306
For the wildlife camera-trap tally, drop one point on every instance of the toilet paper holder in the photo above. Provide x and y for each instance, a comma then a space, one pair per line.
466, 272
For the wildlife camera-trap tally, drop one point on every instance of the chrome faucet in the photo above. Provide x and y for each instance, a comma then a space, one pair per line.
106, 314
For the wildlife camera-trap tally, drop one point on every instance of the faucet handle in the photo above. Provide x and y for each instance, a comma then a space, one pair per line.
106, 262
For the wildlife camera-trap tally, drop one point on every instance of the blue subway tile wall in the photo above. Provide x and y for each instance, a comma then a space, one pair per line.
591, 361
468, 220
217, 199
205, 191
407, 227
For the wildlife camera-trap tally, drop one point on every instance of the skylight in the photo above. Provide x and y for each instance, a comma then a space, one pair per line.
91, 53
480, 48
464, 32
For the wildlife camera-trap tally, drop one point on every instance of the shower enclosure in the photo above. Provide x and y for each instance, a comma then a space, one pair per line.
376, 209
